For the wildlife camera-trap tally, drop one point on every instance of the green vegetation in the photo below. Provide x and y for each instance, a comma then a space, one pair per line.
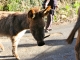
19, 5
66, 8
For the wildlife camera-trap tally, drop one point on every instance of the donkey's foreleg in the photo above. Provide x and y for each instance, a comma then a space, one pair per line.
77, 47
15, 40
14, 46
77, 50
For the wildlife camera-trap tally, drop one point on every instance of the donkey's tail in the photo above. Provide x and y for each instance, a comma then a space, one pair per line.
76, 27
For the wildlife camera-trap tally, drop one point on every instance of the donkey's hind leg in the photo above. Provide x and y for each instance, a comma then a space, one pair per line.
1, 46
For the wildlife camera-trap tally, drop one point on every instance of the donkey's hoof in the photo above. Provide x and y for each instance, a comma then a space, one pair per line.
2, 48
17, 57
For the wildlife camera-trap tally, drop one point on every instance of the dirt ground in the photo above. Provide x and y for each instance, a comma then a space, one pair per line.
55, 47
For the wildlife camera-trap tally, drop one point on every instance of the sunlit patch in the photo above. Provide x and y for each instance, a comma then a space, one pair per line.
57, 34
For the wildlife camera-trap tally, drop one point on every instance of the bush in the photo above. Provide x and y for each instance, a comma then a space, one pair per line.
67, 8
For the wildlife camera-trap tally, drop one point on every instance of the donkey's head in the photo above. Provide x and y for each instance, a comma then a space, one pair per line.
37, 24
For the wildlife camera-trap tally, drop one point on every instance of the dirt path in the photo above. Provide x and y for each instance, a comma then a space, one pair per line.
55, 48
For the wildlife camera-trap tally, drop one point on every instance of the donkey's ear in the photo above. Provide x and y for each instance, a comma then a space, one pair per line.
46, 11
31, 13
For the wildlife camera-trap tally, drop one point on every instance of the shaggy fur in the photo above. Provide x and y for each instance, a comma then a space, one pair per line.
14, 25
71, 36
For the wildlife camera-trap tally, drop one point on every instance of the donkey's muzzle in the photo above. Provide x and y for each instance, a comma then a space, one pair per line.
41, 43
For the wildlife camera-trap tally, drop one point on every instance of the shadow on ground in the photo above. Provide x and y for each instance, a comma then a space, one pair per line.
63, 52
7, 58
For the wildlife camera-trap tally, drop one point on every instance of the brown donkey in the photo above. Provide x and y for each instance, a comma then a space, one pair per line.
14, 25
71, 36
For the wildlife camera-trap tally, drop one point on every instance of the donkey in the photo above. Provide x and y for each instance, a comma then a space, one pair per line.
14, 26
72, 34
